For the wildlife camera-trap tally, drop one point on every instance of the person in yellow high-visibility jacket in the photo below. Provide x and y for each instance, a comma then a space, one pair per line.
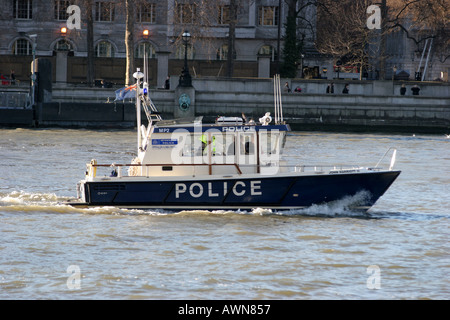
204, 140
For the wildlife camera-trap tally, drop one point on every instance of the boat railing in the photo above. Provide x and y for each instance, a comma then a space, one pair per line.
393, 158
327, 168
116, 169
137, 169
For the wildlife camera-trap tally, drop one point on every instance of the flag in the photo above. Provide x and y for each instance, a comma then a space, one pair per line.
126, 92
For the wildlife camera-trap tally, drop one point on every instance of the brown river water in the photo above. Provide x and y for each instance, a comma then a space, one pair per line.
398, 250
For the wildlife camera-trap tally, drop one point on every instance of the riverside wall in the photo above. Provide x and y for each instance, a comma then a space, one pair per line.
370, 106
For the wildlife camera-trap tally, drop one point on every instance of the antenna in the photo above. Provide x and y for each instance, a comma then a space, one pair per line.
277, 99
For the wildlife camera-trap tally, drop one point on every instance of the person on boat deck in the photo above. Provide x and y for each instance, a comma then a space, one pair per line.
244, 118
204, 140
113, 173
250, 122
249, 148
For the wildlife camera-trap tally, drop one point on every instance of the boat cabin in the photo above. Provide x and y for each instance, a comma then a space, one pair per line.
174, 148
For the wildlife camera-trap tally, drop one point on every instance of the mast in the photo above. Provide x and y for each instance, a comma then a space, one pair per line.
138, 75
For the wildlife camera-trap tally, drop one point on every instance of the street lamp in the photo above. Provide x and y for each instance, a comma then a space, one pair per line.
185, 78
394, 69
145, 34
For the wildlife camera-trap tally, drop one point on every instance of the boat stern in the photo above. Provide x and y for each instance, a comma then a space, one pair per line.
80, 191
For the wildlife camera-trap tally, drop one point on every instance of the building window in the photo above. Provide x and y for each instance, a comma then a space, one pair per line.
268, 50
147, 13
61, 9
222, 53
104, 11
180, 52
23, 9
185, 13
145, 49
224, 15
104, 49
268, 16
22, 47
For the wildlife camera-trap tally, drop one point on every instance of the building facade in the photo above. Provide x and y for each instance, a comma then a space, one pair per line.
46, 26
46, 29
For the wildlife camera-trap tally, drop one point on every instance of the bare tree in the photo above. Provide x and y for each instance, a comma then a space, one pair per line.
231, 37
200, 18
421, 20
129, 41
342, 32
299, 23
90, 74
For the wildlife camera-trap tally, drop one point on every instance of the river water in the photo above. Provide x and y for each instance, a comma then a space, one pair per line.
398, 250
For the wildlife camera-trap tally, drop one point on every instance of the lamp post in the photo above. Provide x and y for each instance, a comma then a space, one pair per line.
33, 72
185, 78
302, 56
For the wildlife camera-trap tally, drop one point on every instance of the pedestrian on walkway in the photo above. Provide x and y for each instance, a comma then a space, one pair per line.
346, 90
330, 88
415, 90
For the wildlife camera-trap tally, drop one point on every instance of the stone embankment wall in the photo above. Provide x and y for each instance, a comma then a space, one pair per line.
371, 105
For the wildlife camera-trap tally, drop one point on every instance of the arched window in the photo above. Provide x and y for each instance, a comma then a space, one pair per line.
104, 49
22, 47
180, 52
145, 48
268, 50
63, 45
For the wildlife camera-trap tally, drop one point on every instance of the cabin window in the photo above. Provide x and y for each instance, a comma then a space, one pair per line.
191, 145
248, 144
269, 142
197, 144
230, 145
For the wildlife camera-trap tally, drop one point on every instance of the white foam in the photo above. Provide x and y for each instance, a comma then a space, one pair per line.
343, 207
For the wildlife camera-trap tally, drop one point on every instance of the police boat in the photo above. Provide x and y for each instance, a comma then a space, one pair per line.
231, 164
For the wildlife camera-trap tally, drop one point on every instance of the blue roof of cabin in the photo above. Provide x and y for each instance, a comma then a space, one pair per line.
219, 127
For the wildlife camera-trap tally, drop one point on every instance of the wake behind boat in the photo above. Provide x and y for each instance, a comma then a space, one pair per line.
185, 164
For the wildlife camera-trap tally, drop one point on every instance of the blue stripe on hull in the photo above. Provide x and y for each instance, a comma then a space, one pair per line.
269, 192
